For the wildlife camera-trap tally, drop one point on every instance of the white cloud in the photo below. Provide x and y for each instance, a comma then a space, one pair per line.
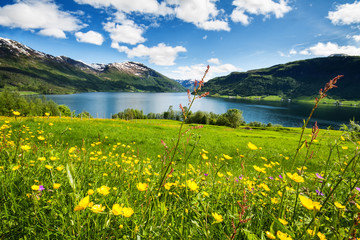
356, 38
161, 54
205, 37
142, 6
345, 14
258, 7
42, 15
216, 25
202, 13
125, 33
90, 37
238, 15
197, 71
293, 52
214, 61
326, 49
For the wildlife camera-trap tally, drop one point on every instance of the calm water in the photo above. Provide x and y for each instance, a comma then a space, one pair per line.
104, 104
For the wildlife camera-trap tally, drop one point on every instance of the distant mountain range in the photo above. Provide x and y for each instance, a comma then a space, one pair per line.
25, 69
294, 79
188, 84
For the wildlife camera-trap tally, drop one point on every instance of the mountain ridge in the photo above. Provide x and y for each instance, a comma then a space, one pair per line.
23, 68
294, 79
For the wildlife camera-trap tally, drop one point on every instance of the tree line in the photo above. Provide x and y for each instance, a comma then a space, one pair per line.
232, 118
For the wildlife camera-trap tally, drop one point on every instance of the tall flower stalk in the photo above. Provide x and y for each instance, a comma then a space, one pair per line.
185, 113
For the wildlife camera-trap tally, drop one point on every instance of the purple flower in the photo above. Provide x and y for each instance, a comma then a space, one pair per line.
240, 177
206, 174
319, 193
280, 177
358, 188
236, 180
41, 187
271, 178
319, 176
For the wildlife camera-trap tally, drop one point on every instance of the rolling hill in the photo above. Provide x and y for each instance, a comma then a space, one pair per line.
293, 79
25, 69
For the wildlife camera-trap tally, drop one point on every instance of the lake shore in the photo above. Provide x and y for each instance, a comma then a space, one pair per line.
305, 99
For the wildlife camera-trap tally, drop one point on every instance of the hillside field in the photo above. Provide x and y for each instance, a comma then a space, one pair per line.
110, 179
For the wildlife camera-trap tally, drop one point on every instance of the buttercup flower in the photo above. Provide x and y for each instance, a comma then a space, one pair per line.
295, 177
339, 205
82, 204
127, 212
270, 235
104, 190
218, 217
56, 185
14, 168
98, 208
142, 187
251, 146
309, 204
192, 185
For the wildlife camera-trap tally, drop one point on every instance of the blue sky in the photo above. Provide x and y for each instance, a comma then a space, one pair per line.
180, 37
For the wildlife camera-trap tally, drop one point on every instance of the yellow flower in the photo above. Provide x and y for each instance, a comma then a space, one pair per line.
167, 186
142, 186
127, 212
25, 147
14, 168
283, 221
60, 168
82, 204
121, 226
16, 113
270, 235
204, 156
309, 204
321, 236
259, 169
252, 146
71, 150
274, 200
35, 187
41, 158
218, 217
205, 194
338, 205
345, 147
227, 157
220, 174
311, 232
90, 192
56, 185
48, 167
41, 138
47, 114
117, 209
98, 208
229, 173
295, 177
283, 236
192, 185
104, 190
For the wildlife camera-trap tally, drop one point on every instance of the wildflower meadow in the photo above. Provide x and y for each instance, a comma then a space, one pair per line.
64, 178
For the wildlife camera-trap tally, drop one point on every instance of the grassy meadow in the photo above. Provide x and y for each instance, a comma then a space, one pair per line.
114, 179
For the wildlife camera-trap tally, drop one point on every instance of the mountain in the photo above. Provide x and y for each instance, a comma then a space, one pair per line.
188, 84
293, 79
25, 69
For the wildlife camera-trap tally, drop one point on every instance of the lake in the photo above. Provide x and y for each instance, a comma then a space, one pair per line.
104, 104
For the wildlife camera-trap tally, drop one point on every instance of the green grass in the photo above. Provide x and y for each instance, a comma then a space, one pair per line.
117, 155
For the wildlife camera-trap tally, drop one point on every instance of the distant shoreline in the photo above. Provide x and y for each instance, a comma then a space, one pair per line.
306, 100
